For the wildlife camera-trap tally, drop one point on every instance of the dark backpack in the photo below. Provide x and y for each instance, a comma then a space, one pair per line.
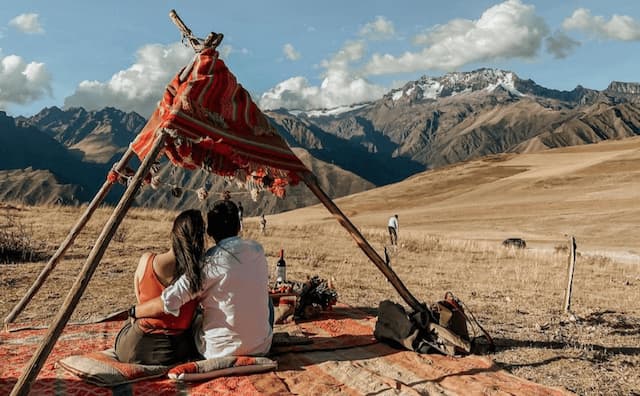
442, 328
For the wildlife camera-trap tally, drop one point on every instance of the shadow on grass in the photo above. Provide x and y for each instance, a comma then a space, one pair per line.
599, 353
507, 343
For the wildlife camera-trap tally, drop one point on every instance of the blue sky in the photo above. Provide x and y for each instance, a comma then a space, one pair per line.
302, 54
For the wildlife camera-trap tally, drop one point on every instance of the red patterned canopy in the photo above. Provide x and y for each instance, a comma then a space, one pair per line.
214, 125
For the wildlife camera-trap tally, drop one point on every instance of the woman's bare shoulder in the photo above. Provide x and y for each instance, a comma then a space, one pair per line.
142, 263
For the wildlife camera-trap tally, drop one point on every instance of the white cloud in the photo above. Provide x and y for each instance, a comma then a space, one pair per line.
21, 82
507, 30
27, 23
511, 29
619, 27
138, 88
225, 50
350, 52
379, 29
290, 52
340, 86
336, 90
560, 45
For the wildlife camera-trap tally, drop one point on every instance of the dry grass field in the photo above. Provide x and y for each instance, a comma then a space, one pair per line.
452, 221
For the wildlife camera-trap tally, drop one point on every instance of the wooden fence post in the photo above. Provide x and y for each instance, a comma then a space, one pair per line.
570, 268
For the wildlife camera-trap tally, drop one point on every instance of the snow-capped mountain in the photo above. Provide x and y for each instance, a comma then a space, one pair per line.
435, 121
457, 83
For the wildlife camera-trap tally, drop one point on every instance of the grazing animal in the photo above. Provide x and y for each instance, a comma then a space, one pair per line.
514, 243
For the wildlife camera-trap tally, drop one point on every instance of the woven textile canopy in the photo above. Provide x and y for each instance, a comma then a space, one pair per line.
213, 124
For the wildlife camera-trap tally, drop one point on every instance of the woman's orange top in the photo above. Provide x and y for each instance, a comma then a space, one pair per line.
149, 287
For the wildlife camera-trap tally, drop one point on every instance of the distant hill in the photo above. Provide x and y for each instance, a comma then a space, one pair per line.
426, 124
588, 191
86, 143
36, 187
98, 135
25, 147
432, 122
335, 181
379, 168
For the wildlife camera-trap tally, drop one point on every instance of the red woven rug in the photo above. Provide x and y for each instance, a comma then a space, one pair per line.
343, 358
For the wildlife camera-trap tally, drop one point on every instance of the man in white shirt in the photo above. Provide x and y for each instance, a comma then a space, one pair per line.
237, 317
393, 229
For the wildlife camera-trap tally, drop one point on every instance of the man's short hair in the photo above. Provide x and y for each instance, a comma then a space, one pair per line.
222, 220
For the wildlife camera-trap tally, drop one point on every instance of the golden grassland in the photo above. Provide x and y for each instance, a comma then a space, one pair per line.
451, 223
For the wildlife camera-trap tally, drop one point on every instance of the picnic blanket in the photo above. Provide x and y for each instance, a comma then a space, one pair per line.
342, 357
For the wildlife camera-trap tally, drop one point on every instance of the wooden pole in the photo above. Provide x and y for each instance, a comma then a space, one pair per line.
25, 381
186, 32
62, 249
570, 268
311, 182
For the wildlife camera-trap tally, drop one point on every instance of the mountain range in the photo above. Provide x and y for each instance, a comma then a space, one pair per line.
63, 155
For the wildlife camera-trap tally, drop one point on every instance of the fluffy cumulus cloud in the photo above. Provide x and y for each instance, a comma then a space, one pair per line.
22, 82
290, 52
340, 85
137, 88
507, 30
560, 45
380, 28
27, 23
225, 50
337, 89
618, 27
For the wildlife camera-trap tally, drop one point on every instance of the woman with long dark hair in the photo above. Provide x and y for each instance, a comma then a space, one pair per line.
166, 339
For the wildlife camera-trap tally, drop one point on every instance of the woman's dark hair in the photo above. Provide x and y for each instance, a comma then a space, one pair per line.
187, 241
223, 220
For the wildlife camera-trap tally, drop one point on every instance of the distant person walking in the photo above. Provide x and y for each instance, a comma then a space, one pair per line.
393, 229
240, 213
263, 224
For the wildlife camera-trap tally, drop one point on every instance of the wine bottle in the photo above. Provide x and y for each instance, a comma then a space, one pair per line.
281, 268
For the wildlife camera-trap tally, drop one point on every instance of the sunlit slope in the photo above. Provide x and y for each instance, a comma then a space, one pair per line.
590, 191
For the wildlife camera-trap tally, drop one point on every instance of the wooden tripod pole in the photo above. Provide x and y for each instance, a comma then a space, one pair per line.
311, 182
75, 231
28, 376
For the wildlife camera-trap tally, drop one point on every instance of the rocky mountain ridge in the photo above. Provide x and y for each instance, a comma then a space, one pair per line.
49, 165
460, 116
426, 124
98, 135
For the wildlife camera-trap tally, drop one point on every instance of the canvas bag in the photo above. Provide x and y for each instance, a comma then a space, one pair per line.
451, 313
393, 325
443, 328
417, 332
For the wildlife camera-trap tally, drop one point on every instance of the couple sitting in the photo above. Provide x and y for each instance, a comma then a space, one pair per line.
229, 282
